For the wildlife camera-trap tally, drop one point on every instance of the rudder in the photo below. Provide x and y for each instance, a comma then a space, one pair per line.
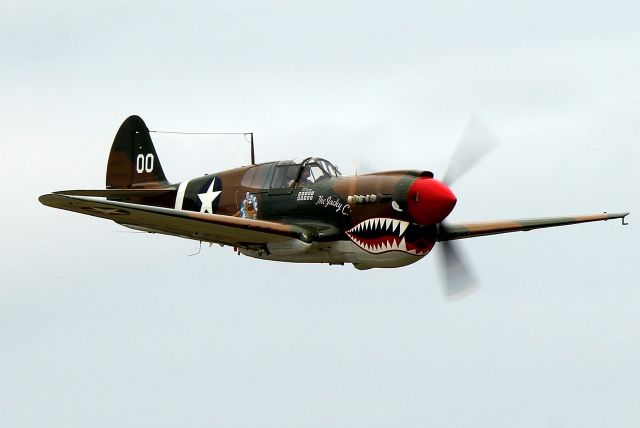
133, 161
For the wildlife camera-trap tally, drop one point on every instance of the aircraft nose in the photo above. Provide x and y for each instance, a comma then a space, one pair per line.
429, 201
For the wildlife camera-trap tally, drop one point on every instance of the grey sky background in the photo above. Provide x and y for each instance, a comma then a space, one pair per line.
101, 328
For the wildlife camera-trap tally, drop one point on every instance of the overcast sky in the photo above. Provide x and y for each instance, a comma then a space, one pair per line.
101, 328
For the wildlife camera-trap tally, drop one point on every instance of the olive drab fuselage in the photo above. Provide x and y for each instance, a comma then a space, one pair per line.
367, 212
368, 220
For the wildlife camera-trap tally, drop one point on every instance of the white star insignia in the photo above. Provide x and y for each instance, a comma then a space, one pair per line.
208, 198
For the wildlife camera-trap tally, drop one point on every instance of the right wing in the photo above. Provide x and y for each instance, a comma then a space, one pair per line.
451, 231
222, 229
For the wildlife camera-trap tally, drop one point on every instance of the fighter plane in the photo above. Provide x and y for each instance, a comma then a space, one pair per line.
292, 211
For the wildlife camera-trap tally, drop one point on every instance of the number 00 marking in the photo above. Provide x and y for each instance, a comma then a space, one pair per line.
144, 163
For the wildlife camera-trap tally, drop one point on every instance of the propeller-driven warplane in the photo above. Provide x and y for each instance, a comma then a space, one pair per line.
293, 211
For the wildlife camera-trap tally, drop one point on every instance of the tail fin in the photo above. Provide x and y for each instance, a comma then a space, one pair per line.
133, 161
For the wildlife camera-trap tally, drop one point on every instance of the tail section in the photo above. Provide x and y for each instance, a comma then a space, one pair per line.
133, 161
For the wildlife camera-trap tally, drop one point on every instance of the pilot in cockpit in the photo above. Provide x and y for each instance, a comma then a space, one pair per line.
304, 177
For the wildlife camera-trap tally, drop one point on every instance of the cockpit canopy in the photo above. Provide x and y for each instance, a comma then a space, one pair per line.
284, 174
319, 169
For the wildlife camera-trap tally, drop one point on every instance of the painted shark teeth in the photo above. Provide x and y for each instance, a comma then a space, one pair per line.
396, 227
393, 245
403, 227
391, 236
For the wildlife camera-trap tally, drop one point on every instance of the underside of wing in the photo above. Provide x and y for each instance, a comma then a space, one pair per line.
451, 231
244, 233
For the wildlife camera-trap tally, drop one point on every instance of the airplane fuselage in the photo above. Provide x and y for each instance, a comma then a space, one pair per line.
362, 220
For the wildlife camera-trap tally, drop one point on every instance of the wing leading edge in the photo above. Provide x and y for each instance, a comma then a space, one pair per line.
451, 231
118, 193
187, 224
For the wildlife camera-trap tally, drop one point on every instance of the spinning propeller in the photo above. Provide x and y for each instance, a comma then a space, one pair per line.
476, 141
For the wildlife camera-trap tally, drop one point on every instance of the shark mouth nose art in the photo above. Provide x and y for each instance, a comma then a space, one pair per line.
380, 235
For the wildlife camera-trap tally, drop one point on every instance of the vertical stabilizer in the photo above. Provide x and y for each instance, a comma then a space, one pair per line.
133, 161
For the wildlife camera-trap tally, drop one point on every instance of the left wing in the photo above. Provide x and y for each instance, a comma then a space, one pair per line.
228, 230
118, 193
451, 231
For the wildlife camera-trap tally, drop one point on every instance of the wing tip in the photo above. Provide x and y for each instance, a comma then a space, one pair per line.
46, 199
614, 216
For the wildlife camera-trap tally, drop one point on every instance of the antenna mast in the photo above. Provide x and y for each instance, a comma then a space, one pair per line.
253, 154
